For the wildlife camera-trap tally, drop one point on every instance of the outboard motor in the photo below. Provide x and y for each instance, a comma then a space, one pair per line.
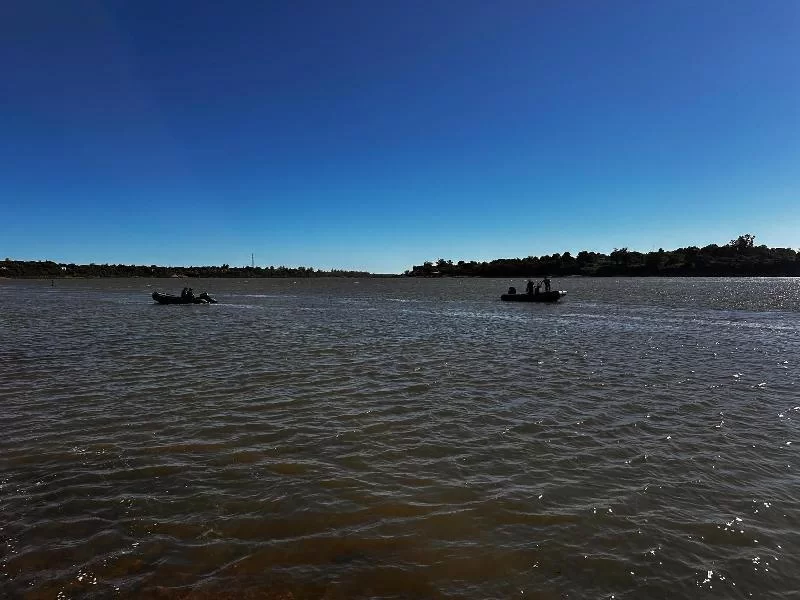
512, 290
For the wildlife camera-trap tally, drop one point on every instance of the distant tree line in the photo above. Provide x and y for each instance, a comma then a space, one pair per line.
740, 257
48, 269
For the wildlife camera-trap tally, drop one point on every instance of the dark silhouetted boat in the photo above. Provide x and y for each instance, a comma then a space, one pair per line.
203, 298
551, 296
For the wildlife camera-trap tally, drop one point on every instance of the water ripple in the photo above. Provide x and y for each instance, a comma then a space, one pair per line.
314, 439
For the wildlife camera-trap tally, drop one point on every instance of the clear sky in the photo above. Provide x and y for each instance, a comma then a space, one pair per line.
379, 134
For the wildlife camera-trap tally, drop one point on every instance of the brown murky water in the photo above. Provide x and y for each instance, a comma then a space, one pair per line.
400, 439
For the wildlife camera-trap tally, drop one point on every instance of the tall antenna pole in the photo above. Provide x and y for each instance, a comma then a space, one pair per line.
253, 260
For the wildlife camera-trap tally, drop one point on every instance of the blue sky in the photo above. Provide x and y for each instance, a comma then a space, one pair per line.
377, 135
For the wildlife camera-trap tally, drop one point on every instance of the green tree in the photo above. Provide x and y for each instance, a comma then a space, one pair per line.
743, 242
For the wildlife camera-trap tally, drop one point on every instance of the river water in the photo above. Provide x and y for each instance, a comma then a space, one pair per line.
400, 438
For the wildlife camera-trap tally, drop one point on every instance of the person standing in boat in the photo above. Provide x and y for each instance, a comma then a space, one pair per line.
529, 287
546, 284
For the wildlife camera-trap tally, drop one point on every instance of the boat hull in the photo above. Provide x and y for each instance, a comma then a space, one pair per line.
551, 296
203, 298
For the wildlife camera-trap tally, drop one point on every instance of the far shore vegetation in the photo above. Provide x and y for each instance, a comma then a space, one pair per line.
740, 257
47, 269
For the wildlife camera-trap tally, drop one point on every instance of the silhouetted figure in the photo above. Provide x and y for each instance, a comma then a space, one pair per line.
546, 284
512, 290
538, 287
184, 292
529, 287
190, 294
